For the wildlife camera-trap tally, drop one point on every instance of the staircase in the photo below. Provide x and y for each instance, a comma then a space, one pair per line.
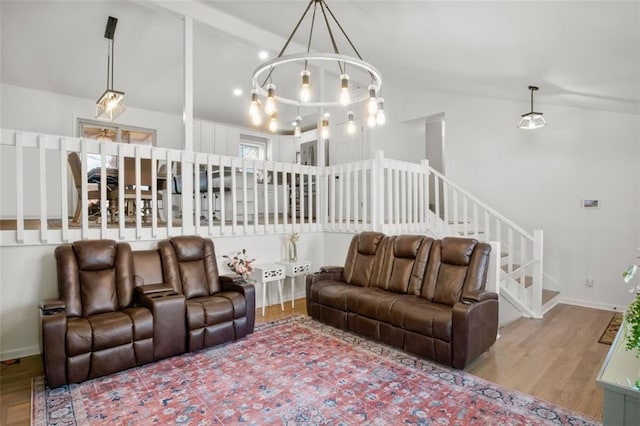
520, 277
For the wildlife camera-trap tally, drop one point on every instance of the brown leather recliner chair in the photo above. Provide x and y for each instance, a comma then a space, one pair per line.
93, 328
219, 308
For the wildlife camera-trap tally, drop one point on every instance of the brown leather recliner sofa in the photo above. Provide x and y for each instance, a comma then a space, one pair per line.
422, 295
119, 308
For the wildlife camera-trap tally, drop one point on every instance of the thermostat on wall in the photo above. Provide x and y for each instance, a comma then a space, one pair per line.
591, 204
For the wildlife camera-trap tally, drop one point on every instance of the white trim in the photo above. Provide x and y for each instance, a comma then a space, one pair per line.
20, 352
589, 304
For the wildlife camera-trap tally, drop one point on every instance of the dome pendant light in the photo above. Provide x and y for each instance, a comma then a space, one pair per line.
532, 120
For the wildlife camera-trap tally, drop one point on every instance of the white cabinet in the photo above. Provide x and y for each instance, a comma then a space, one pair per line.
288, 145
197, 124
620, 368
207, 137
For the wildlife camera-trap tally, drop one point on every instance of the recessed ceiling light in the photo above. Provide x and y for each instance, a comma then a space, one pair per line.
263, 54
237, 92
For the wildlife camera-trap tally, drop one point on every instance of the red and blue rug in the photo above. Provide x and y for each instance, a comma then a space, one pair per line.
296, 372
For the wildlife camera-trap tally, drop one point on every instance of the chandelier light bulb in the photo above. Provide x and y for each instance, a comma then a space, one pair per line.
371, 121
254, 108
256, 119
351, 126
345, 96
305, 93
380, 117
273, 122
324, 126
297, 132
270, 105
372, 104
113, 102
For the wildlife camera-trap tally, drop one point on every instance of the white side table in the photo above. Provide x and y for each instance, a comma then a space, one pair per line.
266, 273
293, 270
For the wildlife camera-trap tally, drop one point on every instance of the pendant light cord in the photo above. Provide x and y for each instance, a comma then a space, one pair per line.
108, 64
286, 44
113, 60
333, 40
532, 90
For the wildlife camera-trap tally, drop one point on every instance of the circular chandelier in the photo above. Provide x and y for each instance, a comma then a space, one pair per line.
263, 87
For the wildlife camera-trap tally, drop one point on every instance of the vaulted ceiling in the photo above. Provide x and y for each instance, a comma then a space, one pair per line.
583, 54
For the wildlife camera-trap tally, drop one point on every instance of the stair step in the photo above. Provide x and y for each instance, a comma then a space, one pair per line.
547, 295
513, 267
470, 233
460, 222
528, 281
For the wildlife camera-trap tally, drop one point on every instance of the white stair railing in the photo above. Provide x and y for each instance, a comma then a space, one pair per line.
462, 214
251, 197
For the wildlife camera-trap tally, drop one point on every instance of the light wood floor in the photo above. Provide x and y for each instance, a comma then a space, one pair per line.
556, 359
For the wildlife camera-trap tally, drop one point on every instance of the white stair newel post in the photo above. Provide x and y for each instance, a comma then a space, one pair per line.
538, 268
493, 274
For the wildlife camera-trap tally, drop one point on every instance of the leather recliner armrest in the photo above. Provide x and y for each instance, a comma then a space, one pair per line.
54, 355
234, 278
332, 269
153, 288
478, 296
326, 273
474, 327
51, 306
236, 283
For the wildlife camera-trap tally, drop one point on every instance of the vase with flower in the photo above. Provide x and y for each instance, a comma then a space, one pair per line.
241, 263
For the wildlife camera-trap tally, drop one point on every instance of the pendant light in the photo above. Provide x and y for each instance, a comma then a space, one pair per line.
111, 103
306, 96
532, 120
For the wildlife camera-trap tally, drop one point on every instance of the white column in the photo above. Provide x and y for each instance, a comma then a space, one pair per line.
187, 119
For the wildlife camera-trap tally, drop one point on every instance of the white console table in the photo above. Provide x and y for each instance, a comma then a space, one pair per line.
267, 273
621, 401
293, 270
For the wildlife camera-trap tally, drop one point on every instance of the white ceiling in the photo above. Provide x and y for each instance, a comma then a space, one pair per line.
584, 54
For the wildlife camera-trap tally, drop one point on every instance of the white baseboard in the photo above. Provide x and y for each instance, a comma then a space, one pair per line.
19, 353
589, 304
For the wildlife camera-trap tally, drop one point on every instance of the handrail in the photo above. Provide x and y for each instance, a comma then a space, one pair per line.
504, 219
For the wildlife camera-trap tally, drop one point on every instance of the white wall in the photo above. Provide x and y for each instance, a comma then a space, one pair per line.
537, 178
28, 275
52, 113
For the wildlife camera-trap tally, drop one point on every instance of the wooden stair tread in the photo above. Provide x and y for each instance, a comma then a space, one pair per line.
505, 268
470, 233
547, 295
528, 281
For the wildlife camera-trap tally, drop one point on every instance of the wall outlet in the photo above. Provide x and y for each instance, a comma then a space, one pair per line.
589, 282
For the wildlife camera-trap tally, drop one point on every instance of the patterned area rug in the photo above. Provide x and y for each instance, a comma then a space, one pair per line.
612, 329
294, 371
